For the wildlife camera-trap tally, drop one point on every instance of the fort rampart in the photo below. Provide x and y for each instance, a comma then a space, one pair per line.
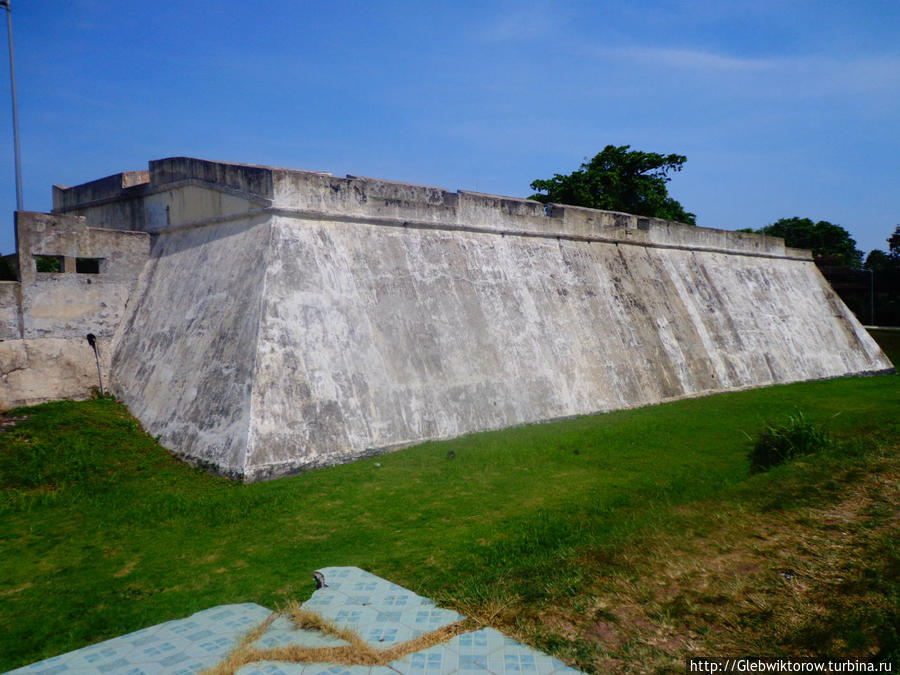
291, 319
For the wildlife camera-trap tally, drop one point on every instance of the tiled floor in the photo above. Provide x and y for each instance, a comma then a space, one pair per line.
381, 612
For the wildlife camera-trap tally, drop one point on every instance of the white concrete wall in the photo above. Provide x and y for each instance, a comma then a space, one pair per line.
184, 354
10, 328
374, 336
45, 318
295, 319
49, 369
68, 304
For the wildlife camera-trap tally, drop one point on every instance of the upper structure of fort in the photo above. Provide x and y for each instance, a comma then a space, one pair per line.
262, 321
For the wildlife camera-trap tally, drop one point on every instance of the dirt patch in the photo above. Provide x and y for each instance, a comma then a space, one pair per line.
127, 569
13, 591
800, 581
6, 422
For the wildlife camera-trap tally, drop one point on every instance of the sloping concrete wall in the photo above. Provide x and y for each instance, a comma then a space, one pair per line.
185, 354
294, 319
374, 336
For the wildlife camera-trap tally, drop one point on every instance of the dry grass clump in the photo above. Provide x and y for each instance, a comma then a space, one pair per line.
357, 652
805, 581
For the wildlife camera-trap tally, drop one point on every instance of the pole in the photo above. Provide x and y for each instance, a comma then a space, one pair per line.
92, 341
872, 297
15, 113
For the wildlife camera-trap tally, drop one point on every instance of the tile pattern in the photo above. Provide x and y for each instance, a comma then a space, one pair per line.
483, 651
382, 612
176, 647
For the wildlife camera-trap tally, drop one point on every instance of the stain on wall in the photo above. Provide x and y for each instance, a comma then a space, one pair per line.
294, 319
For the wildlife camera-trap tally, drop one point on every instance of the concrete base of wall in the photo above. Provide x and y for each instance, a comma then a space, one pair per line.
48, 369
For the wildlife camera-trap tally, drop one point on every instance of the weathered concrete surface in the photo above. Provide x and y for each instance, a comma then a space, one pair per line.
415, 334
10, 317
118, 198
49, 369
185, 354
69, 304
294, 319
45, 317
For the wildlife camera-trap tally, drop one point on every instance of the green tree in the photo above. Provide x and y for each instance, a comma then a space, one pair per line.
48, 263
878, 260
824, 239
894, 243
619, 179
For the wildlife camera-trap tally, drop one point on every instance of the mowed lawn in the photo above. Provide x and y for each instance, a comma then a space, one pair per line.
102, 532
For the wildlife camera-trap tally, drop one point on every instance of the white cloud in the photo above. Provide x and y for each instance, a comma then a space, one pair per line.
521, 22
689, 59
799, 76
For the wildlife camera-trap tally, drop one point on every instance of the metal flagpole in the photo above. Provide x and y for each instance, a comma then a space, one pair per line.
15, 113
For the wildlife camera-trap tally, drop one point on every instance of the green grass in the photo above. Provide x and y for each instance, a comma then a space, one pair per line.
103, 532
779, 443
804, 563
889, 341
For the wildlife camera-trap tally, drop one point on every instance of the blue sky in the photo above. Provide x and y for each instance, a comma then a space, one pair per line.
782, 108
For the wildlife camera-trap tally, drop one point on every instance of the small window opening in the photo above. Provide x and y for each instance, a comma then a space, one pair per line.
9, 267
87, 265
48, 263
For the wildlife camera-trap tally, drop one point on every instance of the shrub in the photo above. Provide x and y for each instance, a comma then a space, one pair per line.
52, 264
779, 443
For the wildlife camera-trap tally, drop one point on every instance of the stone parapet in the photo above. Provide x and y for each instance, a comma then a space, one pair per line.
246, 178
376, 201
125, 185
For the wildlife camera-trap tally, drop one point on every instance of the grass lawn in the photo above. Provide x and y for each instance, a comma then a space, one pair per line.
629, 538
889, 340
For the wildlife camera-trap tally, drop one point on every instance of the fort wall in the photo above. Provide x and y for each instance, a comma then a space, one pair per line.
293, 319
188, 192
34, 371
10, 316
46, 315
185, 355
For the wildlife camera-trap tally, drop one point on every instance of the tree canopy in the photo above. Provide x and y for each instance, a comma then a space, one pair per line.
894, 243
824, 239
619, 179
880, 260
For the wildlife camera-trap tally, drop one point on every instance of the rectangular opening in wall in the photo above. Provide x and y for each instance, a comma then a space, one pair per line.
88, 265
48, 263
9, 267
